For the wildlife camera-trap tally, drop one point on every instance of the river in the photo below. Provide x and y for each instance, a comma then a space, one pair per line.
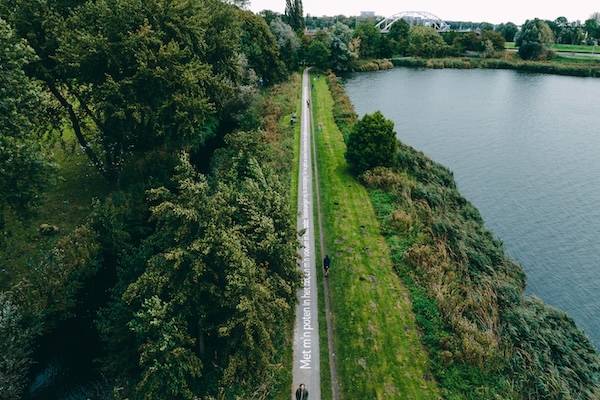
524, 149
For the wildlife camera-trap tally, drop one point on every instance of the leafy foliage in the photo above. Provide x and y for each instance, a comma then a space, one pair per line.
224, 262
508, 31
533, 39
370, 40
37, 302
260, 47
371, 143
343, 112
485, 339
25, 171
17, 334
131, 75
287, 40
318, 54
424, 41
340, 46
398, 34
294, 15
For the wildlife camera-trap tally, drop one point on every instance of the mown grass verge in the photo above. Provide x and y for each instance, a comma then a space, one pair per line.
377, 347
576, 48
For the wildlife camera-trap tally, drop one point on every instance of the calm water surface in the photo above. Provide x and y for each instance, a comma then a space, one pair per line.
525, 150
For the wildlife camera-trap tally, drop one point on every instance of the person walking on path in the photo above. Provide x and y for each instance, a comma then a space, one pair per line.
301, 393
326, 264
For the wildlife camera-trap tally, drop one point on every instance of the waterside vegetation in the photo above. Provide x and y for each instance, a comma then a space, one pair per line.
484, 338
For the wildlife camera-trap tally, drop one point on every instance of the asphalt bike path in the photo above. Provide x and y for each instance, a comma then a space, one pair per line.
306, 363
306, 369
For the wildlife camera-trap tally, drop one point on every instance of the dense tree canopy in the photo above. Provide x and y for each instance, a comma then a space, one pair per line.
424, 41
508, 30
294, 15
533, 39
398, 34
260, 47
25, 171
318, 54
370, 40
339, 42
592, 26
371, 143
217, 276
289, 44
132, 75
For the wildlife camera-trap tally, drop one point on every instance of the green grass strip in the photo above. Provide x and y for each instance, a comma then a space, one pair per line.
377, 347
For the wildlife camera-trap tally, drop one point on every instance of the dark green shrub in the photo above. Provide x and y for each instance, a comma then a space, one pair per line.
371, 143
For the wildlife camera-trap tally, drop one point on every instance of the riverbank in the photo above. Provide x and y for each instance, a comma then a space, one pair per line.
485, 339
563, 66
581, 66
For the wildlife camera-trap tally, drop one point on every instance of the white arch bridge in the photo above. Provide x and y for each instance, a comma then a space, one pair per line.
414, 18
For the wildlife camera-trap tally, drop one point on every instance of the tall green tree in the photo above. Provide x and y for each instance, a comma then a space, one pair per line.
371, 143
295, 15
508, 30
533, 39
339, 41
370, 40
132, 75
289, 45
496, 38
168, 363
220, 275
25, 168
260, 46
399, 35
318, 54
592, 26
424, 41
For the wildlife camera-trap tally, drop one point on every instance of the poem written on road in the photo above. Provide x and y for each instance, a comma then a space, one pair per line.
306, 295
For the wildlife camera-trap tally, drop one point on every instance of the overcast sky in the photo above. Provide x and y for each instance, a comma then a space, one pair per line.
517, 11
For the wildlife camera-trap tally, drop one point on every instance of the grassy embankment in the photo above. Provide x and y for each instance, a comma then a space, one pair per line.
377, 346
484, 338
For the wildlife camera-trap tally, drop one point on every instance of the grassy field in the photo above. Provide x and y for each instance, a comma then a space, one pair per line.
576, 48
377, 345
565, 47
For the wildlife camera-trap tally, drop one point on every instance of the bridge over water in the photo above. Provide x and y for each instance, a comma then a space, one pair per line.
414, 18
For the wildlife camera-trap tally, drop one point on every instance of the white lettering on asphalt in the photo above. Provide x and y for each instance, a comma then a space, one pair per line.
306, 295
